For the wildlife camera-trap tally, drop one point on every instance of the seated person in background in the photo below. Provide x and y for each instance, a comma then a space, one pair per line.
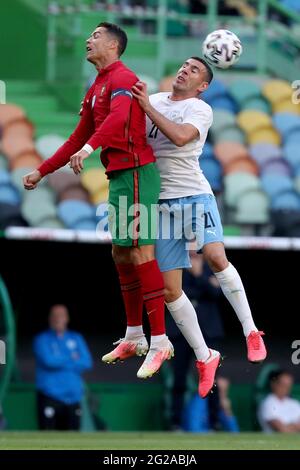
278, 412
61, 357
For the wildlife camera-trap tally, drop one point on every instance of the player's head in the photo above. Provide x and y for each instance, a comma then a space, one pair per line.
58, 318
193, 77
107, 39
281, 382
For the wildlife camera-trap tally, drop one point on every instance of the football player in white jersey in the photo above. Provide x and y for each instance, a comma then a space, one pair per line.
177, 125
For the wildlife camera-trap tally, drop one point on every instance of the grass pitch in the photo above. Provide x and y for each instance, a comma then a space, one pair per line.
146, 441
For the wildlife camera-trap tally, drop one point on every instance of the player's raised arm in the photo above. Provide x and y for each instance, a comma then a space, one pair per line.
179, 134
75, 142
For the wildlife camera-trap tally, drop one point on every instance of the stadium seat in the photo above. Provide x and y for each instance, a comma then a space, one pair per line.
286, 200
10, 113
277, 90
166, 83
216, 89
264, 134
100, 196
4, 177
226, 152
293, 137
222, 120
17, 175
229, 134
257, 103
76, 193
10, 215
213, 172
286, 223
207, 152
94, 180
9, 194
72, 212
19, 127
276, 165
48, 144
236, 184
14, 145
26, 160
244, 90
38, 206
292, 154
286, 123
85, 224
241, 165
263, 151
274, 184
224, 102
51, 222
60, 181
286, 106
251, 120
252, 208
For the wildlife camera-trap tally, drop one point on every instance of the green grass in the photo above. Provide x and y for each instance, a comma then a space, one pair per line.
146, 441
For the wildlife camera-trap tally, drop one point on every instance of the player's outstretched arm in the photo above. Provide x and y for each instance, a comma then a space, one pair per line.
32, 179
179, 134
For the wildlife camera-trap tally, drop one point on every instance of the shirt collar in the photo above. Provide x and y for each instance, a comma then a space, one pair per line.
110, 67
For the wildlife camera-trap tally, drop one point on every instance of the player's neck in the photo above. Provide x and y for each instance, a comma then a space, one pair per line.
175, 96
101, 64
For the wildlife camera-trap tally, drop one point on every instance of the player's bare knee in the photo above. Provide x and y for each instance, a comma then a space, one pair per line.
217, 261
141, 255
171, 294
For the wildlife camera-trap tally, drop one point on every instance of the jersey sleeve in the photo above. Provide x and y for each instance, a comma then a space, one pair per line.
119, 114
199, 117
75, 142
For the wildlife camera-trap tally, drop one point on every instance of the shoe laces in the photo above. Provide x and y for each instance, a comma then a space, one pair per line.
119, 341
254, 337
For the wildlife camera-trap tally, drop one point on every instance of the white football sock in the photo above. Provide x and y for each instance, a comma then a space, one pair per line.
133, 332
186, 319
155, 340
233, 289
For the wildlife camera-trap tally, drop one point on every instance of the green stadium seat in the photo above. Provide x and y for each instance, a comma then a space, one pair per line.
257, 103
252, 208
243, 90
229, 134
238, 183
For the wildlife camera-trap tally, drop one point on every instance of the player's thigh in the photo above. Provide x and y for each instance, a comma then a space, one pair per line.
206, 221
171, 249
133, 197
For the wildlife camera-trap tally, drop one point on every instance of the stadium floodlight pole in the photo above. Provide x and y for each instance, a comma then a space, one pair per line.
111, 16
51, 47
212, 13
161, 38
262, 37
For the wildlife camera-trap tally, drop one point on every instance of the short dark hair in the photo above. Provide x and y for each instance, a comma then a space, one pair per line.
209, 72
118, 33
275, 375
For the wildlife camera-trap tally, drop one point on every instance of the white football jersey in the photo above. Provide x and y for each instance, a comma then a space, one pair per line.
179, 167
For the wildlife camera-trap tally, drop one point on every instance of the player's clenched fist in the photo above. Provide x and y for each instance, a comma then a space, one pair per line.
32, 179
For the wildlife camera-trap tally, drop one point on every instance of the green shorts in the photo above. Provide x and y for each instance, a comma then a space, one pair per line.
133, 210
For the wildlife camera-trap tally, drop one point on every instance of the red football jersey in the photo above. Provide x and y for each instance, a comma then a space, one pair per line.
112, 119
